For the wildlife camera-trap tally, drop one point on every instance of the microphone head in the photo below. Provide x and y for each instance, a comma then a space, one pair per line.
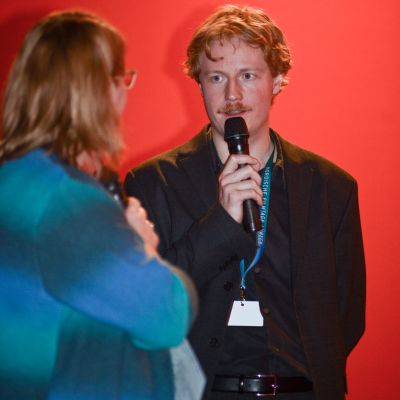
235, 128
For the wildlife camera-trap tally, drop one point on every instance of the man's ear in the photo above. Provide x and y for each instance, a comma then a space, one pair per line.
277, 83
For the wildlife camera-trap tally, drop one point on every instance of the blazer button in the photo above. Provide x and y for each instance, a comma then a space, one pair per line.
213, 342
257, 269
228, 286
266, 311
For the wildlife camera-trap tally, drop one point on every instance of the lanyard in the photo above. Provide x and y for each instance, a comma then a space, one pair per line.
262, 234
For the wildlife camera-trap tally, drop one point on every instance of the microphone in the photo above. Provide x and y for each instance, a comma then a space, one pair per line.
236, 135
110, 180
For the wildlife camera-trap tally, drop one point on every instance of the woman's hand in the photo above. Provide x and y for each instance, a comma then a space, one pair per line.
137, 218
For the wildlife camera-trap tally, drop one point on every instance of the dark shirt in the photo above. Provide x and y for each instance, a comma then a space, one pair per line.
247, 350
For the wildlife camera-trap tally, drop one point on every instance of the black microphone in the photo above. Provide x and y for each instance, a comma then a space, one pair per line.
110, 180
236, 135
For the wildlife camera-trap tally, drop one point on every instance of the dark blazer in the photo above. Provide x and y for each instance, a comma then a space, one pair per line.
179, 191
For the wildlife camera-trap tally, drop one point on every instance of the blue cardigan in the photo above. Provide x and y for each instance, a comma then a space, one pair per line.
84, 313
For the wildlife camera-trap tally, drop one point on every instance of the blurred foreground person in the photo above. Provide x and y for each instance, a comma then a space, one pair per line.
87, 310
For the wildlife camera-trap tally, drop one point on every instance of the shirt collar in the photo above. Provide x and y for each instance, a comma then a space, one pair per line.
278, 154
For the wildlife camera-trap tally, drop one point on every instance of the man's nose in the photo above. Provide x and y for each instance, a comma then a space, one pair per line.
233, 90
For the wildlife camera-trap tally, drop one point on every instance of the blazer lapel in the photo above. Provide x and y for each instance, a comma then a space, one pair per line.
298, 177
197, 188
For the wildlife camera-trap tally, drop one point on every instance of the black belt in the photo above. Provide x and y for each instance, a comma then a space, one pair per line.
262, 385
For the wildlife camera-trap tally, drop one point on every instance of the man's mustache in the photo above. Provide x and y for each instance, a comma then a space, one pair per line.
233, 108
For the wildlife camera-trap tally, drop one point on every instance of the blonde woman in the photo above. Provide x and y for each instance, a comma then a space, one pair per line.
87, 310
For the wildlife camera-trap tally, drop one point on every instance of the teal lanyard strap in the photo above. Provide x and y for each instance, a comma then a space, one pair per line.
262, 234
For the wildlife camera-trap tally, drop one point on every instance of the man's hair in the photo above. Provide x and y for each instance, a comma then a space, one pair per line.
249, 24
58, 92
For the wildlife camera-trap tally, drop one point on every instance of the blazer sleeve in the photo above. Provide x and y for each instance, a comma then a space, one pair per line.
91, 260
206, 245
350, 267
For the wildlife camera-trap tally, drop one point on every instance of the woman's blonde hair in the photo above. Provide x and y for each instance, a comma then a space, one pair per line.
58, 92
249, 24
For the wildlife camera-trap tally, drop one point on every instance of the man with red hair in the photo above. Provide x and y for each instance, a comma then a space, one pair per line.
280, 316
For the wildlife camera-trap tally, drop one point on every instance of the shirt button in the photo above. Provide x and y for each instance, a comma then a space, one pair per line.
213, 342
228, 286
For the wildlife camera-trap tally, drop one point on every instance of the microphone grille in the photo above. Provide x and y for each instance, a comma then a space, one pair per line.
234, 127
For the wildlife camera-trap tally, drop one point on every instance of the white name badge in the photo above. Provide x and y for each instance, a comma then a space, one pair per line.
246, 313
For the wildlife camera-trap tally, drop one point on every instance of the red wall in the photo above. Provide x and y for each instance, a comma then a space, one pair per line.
340, 103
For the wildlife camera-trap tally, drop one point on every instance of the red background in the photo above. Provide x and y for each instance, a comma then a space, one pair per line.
340, 103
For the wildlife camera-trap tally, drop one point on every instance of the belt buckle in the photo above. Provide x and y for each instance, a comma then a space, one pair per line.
274, 386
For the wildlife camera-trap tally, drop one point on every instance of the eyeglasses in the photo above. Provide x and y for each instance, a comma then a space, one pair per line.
128, 78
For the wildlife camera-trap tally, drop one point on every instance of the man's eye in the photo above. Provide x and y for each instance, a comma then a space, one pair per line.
248, 75
215, 78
